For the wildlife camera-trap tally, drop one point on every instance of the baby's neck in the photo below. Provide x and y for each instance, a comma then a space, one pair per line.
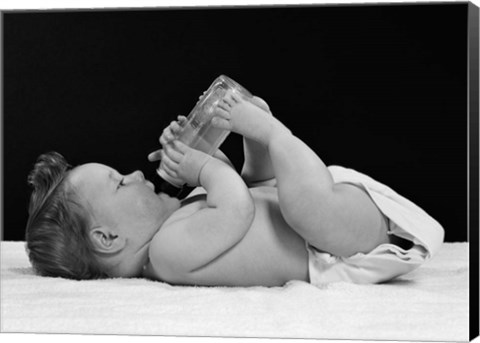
129, 264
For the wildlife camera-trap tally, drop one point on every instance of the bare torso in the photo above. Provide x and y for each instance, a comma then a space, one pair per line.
270, 254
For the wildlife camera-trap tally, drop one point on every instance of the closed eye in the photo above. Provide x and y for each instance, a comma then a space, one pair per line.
121, 183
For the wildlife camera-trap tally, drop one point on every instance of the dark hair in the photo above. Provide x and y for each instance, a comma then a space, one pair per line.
57, 239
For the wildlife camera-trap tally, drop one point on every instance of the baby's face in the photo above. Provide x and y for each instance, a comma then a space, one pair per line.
127, 203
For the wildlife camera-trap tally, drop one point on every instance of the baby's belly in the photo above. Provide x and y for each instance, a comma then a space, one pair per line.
270, 254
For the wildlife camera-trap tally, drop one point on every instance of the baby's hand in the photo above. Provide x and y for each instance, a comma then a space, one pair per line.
168, 135
183, 163
171, 131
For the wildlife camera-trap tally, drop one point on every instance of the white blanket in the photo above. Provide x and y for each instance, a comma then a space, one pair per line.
430, 303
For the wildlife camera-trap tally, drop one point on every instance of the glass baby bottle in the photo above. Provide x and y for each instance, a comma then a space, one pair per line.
198, 132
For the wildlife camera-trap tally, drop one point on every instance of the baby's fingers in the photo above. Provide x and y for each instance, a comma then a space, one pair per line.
167, 136
170, 168
201, 95
181, 147
155, 156
173, 153
175, 127
182, 120
163, 141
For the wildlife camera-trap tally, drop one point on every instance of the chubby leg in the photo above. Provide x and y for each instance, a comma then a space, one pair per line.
337, 218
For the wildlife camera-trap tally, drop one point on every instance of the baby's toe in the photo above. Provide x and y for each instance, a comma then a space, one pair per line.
221, 123
228, 100
236, 97
222, 111
226, 104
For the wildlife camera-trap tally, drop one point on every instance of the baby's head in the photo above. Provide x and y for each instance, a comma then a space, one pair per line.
90, 221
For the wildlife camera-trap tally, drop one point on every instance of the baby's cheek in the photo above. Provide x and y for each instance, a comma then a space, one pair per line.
148, 207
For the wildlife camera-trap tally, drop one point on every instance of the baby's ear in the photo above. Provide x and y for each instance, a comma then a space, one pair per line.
106, 241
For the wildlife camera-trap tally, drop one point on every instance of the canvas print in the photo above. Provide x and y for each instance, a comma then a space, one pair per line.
301, 171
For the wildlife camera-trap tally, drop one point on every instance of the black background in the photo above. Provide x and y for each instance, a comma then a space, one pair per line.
381, 89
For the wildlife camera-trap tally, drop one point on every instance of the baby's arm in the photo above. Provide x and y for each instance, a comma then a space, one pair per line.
188, 244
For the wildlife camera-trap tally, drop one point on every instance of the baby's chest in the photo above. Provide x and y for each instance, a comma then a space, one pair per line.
270, 241
189, 206
267, 208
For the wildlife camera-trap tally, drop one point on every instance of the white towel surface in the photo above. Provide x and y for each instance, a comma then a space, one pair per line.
430, 303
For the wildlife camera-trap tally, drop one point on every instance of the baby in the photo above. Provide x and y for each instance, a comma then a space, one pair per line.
286, 217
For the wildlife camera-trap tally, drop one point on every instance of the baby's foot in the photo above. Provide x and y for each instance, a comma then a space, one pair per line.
243, 117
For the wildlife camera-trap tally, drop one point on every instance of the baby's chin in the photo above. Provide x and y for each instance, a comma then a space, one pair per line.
172, 202
162, 195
